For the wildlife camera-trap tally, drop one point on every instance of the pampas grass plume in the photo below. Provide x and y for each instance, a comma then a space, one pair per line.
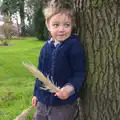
24, 114
47, 84
45, 80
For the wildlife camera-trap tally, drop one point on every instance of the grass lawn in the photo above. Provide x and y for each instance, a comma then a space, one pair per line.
16, 83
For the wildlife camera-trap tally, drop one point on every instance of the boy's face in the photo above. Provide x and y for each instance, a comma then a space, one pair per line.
60, 27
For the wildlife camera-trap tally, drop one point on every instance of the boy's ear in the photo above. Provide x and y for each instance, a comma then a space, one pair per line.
47, 25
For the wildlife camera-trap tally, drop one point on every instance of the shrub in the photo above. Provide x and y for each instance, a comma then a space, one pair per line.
6, 31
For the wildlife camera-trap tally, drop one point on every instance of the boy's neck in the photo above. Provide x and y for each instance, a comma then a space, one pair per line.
56, 42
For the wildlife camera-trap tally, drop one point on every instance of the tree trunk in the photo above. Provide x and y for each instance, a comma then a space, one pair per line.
98, 24
22, 17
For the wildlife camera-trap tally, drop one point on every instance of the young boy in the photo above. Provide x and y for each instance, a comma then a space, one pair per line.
63, 59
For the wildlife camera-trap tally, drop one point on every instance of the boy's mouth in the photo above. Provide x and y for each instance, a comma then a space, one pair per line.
61, 35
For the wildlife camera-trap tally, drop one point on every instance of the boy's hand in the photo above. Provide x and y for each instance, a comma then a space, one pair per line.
64, 92
34, 101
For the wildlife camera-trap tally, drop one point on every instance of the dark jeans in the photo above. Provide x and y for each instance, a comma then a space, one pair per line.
64, 112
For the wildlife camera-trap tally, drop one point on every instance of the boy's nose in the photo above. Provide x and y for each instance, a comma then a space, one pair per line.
61, 28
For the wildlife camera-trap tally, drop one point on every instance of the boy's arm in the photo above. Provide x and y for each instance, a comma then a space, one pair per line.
77, 62
38, 83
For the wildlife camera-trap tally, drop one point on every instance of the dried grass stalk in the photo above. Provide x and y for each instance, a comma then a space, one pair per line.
24, 114
45, 80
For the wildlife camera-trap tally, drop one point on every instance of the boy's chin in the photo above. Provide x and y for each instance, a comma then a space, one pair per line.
61, 39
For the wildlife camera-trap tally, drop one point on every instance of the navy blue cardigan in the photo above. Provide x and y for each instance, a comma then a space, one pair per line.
65, 64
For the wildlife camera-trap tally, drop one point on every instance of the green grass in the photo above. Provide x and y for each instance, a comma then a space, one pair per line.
16, 83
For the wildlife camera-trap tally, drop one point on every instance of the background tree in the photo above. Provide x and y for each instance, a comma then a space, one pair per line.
10, 7
98, 24
22, 16
0, 3
39, 23
31, 16
38, 20
6, 28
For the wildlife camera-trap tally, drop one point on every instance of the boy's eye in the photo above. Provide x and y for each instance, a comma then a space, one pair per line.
55, 25
67, 25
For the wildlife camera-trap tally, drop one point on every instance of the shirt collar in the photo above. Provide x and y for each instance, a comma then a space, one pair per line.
52, 41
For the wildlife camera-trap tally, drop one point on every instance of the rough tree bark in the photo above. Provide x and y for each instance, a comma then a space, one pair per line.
98, 24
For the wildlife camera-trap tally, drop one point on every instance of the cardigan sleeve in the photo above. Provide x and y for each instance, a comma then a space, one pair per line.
77, 63
38, 83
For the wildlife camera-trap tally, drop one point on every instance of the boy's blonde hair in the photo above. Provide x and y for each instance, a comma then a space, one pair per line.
54, 7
